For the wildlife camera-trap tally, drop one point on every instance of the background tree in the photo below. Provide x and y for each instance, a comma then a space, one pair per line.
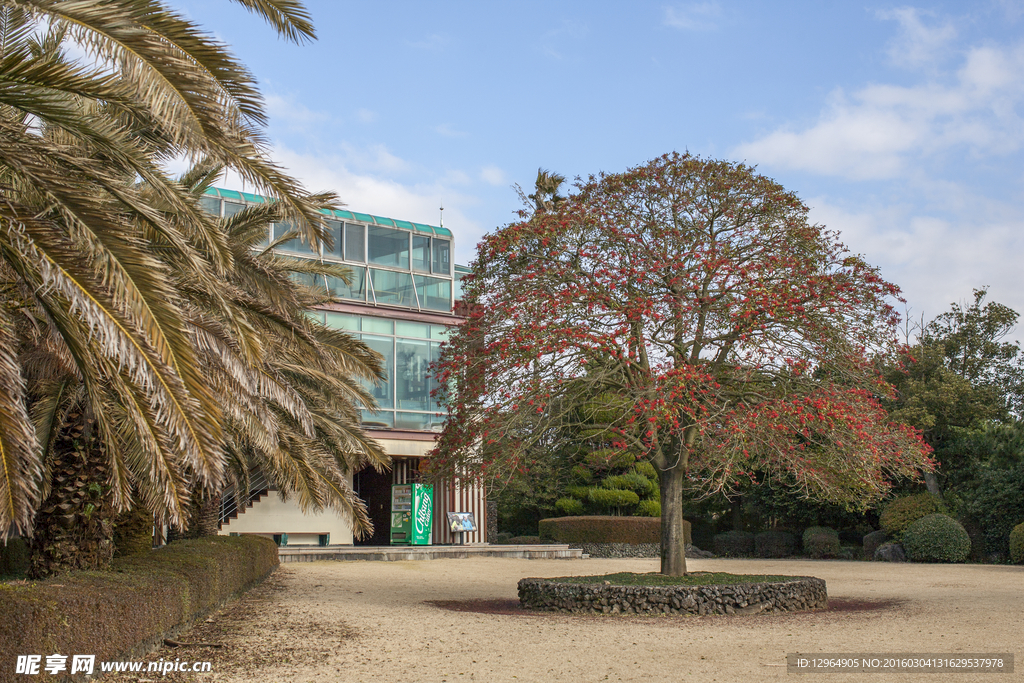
961, 374
737, 333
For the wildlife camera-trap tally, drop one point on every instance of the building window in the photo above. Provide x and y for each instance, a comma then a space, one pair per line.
421, 253
387, 247
355, 243
385, 347
442, 257
392, 288
434, 293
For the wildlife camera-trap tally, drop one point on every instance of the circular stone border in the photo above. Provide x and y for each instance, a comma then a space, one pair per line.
800, 593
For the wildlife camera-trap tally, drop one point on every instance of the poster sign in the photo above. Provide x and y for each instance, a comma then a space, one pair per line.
461, 521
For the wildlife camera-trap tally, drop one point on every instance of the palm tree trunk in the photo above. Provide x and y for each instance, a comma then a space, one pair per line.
133, 532
74, 528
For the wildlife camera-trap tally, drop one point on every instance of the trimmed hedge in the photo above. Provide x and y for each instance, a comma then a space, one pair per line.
902, 512
936, 538
125, 612
774, 544
821, 542
1017, 544
605, 529
734, 544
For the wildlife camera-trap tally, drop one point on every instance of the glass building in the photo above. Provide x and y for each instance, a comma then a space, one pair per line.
400, 304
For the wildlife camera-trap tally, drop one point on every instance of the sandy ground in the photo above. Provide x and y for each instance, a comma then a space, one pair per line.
395, 622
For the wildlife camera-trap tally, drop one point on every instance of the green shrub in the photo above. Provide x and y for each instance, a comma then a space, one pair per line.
902, 512
703, 533
613, 499
872, 541
821, 542
646, 469
854, 535
580, 492
1017, 544
774, 544
605, 529
526, 540
631, 481
581, 473
569, 506
734, 544
14, 558
994, 503
609, 459
649, 508
936, 538
851, 552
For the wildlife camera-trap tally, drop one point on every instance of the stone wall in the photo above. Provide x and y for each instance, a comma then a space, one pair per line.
619, 549
633, 550
801, 593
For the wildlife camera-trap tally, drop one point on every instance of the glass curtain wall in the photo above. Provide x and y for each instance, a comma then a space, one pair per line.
408, 266
408, 349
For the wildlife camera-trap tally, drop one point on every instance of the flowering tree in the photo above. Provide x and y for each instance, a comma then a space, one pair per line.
724, 333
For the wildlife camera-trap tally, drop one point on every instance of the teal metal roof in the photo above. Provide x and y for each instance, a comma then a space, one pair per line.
344, 214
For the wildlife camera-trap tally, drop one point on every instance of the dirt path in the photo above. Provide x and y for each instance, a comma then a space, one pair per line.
457, 620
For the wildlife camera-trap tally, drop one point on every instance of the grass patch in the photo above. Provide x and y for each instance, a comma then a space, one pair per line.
692, 579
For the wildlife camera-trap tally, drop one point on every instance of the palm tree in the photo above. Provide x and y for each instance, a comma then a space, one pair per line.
289, 386
545, 194
91, 327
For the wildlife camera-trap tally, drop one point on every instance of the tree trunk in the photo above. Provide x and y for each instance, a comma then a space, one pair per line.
932, 482
133, 532
492, 520
74, 528
207, 519
673, 540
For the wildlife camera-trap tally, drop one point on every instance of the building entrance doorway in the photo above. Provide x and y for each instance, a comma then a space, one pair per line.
375, 489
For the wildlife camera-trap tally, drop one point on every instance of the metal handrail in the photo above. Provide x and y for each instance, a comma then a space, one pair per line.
229, 505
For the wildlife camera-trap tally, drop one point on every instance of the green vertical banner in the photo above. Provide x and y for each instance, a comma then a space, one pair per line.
423, 513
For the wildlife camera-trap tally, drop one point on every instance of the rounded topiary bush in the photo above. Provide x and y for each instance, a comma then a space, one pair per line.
614, 498
734, 544
569, 506
872, 542
646, 469
821, 542
936, 538
648, 508
1017, 544
902, 512
774, 544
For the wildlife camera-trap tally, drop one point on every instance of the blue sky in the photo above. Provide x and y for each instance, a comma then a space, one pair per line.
899, 125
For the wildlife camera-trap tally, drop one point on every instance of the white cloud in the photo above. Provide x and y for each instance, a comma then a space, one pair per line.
290, 113
434, 41
876, 131
492, 175
449, 132
918, 45
695, 16
373, 158
366, 115
363, 191
936, 261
